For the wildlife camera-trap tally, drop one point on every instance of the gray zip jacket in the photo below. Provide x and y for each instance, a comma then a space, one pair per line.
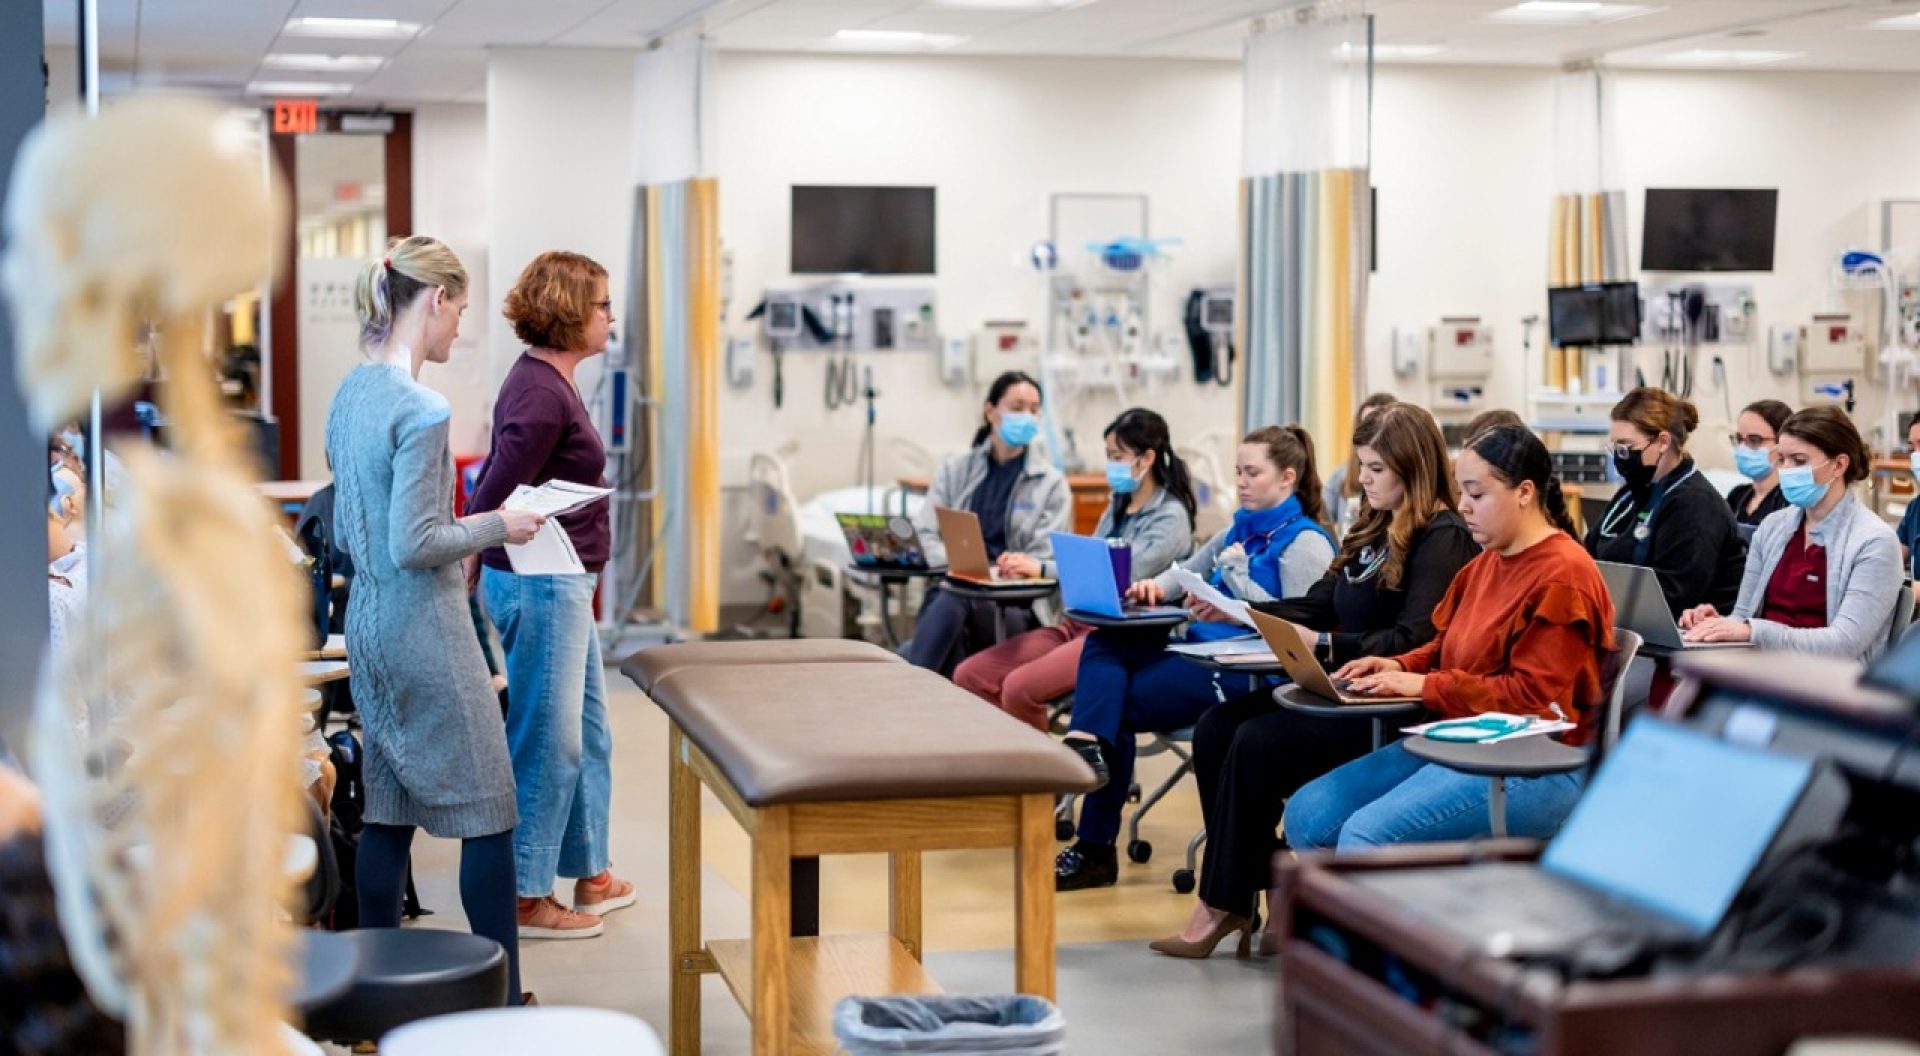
1863, 581
1158, 534
1041, 503
1301, 566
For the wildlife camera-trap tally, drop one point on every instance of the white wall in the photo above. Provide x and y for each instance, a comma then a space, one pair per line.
450, 203
559, 171
996, 137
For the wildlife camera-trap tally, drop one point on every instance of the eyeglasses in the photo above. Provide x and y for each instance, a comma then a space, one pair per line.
1627, 450
605, 306
1750, 440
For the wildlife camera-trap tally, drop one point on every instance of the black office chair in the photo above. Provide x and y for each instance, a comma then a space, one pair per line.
1536, 756
404, 974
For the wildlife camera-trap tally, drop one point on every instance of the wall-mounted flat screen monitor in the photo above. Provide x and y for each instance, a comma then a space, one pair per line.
1708, 230
1606, 313
862, 230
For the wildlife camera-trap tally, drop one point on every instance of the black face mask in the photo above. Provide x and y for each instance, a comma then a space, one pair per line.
1637, 474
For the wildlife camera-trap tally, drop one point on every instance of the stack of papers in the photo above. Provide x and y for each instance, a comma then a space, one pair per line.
1227, 650
1205, 591
1534, 726
550, 552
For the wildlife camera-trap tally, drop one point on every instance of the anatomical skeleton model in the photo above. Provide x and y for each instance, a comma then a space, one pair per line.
167, 822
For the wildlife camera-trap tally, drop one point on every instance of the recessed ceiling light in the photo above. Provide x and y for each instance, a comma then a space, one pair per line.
298, 88
280, 60
1909, 21
1567, 12
356, 28
898, 38
1391, 52
1015, 5
1728, 57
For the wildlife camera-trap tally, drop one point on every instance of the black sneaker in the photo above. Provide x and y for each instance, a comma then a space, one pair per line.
1095, 757
1084, 865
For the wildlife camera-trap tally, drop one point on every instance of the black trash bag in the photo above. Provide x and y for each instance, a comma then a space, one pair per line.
1012, 1024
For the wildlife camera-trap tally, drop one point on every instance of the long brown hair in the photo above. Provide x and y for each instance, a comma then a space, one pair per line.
1350, 484
1291, 447
1409, 442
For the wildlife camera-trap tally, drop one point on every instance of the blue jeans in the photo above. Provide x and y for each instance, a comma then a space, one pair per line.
556, 725
1128, 683
1389, 796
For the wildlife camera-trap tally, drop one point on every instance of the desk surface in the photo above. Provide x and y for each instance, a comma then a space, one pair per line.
291, 491
316, 672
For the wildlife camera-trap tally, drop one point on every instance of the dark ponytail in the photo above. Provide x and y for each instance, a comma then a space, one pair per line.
1291, 447
1515, 454
1140, 431
999, 389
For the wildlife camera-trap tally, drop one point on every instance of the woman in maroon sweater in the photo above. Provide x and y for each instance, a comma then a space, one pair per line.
556, 715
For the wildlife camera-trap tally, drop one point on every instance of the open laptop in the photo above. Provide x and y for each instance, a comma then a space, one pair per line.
1087, 582
878, 541
967, 551
1640, 606
1667, 834
1297, 657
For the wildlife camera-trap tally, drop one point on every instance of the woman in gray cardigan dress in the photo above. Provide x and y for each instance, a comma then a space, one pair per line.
436, 754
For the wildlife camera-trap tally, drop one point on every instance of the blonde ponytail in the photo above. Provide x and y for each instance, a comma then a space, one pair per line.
386, 286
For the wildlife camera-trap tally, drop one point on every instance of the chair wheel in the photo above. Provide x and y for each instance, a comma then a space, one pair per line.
1183, 881
1063, 828
1133, 792
1139, 851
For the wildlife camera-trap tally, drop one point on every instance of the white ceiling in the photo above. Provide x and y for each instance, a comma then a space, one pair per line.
218, 44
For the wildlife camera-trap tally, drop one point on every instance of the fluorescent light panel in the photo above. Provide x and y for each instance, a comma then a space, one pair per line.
1911, 21
353, 28
298, 88
899, 38
279, 60
1567, 12
1728, 57
1391, 52
1015, 5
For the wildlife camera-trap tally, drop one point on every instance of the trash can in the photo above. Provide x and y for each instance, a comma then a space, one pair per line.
1014, 1024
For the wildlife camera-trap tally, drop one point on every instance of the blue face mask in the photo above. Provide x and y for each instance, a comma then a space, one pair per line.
1018, 428
78, 441
1752, 462
1120, 478
1798, 486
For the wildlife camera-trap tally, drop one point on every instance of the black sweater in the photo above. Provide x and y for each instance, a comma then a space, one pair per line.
1365, 620
1773, 503
1695, 547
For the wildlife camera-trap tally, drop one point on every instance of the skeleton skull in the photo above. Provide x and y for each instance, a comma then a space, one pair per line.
155, 207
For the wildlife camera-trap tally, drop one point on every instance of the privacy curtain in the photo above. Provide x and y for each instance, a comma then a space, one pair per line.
674, 313
1305, 216
1587, 236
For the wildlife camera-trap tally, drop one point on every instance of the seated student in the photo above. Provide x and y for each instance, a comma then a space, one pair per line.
1486, 420
1821, 577
1666, 516
1020, 500
1755, 433
1277, 547
1521, 630
1152, 512
1250, 754
1909, 531
1342, 490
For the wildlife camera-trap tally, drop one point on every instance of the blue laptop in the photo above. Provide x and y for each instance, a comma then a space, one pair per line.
1088, 583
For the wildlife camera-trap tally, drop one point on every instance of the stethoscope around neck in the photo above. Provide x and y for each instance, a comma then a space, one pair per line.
1610, 524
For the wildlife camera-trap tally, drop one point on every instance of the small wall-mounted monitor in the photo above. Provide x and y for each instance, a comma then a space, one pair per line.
1607, 313
862, 230
1708, 230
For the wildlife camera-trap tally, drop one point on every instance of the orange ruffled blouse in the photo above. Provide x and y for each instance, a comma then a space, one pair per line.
1520, 634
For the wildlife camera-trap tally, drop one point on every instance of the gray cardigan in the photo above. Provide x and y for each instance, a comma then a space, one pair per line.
1040, 505
1863, 581
1158, 534
436, 752
1301, 566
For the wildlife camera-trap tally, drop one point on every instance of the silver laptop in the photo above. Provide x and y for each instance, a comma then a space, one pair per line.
1640, 606
1666, 836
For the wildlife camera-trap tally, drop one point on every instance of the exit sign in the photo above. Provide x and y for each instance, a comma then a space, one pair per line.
293, 117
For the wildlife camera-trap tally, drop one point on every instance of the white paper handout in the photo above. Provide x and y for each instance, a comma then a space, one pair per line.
1535, 728
1203, 590
550, 552
1224, 648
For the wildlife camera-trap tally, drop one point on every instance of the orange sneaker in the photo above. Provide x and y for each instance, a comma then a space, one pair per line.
601, 895
546, 918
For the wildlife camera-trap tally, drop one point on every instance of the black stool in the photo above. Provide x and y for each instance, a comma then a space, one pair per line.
404, 974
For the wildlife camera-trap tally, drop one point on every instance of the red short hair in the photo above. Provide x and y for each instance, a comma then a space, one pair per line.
552, 302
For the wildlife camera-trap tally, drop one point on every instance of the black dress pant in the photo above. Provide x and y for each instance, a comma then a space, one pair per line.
1249, 755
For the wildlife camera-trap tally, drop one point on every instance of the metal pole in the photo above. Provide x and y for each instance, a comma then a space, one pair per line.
96, 437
